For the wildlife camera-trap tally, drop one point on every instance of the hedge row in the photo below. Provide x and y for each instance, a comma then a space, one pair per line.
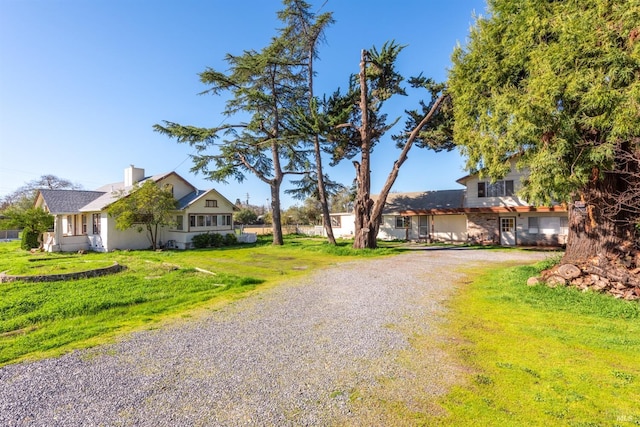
214, 240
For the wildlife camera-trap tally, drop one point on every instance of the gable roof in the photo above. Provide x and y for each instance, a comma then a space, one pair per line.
68, 201
101, 202
118, 186
424, 201
77, 201
192, 197
114, 191
477, 173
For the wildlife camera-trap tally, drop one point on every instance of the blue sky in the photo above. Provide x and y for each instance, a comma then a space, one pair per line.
82, 82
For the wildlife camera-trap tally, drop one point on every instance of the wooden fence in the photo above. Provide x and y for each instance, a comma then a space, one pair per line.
9, 234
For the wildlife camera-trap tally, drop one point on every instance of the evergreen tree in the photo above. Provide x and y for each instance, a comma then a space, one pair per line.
557, 84
266, 86
308, 29
358, 123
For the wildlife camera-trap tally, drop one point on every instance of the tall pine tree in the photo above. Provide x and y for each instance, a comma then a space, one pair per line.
265, 86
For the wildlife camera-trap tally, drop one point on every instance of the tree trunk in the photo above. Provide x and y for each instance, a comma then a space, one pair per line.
274, 184
322, 193
366, 231
592, 232
276, 217
369, 214
375, 214
589, 234
152, 236
363, 228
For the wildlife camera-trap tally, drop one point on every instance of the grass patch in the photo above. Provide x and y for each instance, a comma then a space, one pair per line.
43, 319
543, 356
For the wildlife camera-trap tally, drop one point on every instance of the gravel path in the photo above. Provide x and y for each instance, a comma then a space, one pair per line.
312, 352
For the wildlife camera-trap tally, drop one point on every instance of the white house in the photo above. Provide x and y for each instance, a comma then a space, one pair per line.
482, 212
343, 225
82, 222
428, 215
496, 214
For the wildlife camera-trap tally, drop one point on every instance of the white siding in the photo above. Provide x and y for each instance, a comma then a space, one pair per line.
388, 230
551, 230
347, 226
180, 187
473, 201
216, 214
450, 228
114, 239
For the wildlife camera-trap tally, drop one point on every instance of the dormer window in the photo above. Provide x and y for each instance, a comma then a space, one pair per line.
209, 203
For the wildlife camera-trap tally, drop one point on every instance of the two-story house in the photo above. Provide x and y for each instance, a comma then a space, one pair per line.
82, 222
482, 212
496, 214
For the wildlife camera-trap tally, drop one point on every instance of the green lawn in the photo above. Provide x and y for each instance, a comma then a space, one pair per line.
533, 355
542, 356
43, 319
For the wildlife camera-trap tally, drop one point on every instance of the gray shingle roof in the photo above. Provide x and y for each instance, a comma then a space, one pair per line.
101, 202
68, 201
190, 198
115, 190
424, 200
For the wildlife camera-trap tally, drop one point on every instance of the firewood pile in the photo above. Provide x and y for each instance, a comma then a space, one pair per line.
619, 277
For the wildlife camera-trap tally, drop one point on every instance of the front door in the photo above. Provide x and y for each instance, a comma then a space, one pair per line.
508, 231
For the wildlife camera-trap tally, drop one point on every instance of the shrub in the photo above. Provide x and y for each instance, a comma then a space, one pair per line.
230, 239
213, 240
216, 240
200, 241
29, 240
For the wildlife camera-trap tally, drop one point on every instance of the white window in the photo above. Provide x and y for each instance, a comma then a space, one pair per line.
179, 222
533, 225
225, 220
549, 225
495, 189
69, 227
207, 220
211, 203
403, 221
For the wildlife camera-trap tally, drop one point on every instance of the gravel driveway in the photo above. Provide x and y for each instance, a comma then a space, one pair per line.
314, 352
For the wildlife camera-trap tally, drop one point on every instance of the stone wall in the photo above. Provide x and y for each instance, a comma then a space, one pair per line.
68, 276
483, 228
528, 239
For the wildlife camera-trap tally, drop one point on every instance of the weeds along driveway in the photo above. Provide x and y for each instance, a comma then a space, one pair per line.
324, 350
